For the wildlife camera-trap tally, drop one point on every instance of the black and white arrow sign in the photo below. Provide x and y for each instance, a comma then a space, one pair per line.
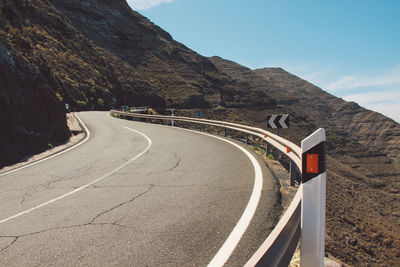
278, 121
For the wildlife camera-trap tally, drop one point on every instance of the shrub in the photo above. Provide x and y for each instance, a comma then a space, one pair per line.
100, 101
81, 104
59, 97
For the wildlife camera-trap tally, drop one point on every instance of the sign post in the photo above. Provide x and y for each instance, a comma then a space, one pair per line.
172, 114
313, 150
200, 115
292, 173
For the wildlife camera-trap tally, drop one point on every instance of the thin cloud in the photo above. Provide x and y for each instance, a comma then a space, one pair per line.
146, 4
375, 97
386, 102
391, 77
389, 110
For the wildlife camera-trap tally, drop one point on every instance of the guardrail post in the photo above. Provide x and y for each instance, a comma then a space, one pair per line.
313, 150
292, 172
247, 140
225, 132
276, 153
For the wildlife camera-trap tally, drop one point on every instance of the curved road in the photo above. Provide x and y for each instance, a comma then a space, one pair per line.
133, 194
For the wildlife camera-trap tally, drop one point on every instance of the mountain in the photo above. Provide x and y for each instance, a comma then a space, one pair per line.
96, 54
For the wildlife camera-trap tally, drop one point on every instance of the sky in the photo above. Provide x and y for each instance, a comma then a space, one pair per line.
349, 48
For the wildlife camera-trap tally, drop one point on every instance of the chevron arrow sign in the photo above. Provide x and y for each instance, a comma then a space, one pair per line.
278, 121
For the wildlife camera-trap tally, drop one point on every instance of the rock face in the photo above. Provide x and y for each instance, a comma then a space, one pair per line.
95, 54
30, 117
28, 126
154, 57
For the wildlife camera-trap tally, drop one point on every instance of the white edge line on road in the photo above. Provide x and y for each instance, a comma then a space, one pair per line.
56, 154
238, 231
149, 143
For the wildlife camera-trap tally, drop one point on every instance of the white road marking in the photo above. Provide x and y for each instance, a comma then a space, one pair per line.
233, 239
55, 155
149, 143
238, 231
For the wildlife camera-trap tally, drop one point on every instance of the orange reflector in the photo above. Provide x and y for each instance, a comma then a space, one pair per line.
312, 163
265, 136
288, 149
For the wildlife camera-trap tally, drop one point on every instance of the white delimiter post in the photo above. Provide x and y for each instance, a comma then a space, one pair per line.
313, 202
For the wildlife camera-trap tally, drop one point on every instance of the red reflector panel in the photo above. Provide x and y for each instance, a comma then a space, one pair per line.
312, 163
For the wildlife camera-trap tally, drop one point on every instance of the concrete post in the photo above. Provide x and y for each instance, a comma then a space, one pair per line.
313, 201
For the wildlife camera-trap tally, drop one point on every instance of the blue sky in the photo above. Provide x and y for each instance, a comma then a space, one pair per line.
350, 48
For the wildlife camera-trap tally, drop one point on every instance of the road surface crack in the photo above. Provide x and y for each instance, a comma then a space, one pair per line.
122, 204
14, 239
51, 182
28, 194
92, 222
110, 186
178, 161
35, 189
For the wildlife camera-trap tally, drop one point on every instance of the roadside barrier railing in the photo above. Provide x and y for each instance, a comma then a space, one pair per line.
305, 217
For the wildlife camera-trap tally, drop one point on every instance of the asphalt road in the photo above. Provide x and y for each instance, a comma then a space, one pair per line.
161, 196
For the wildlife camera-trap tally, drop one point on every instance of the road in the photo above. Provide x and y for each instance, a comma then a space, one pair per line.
133, 194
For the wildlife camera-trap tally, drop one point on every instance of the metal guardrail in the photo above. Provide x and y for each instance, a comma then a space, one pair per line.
285, 146
279, 247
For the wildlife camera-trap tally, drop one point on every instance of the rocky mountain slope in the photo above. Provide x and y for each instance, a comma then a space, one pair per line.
94, 54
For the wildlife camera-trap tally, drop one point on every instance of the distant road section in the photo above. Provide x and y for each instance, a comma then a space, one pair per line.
133, 194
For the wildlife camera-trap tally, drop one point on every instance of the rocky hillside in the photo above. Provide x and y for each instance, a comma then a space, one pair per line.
26, 94
95, 54
155, 57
